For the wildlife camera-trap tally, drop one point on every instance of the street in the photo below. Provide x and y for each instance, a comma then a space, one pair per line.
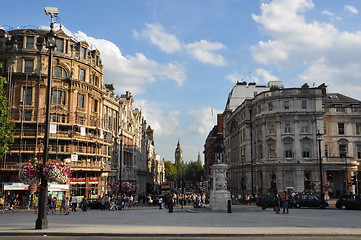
244, 221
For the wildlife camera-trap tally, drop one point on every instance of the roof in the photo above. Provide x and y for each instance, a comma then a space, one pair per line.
332, 99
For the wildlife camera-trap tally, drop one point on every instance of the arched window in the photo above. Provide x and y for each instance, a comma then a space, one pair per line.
59, 72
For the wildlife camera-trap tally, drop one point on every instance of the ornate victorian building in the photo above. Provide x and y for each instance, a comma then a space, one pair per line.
97, 132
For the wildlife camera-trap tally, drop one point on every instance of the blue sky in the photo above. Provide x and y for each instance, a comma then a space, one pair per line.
181, 58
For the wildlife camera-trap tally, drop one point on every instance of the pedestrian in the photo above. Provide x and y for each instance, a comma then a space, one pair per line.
276, 201
36, 203
74, 203
285, 202
62, 205
49, 204
84, 204
160, 201
66, 206
53, 205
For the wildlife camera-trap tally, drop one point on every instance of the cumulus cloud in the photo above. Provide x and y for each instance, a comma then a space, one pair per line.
165, 41
203, 120
266, 75
132, 73
313, 45
161, 122
351, 9
203, 51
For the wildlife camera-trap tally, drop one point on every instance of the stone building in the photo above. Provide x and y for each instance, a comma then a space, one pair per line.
178, 154
271, 143
96, 132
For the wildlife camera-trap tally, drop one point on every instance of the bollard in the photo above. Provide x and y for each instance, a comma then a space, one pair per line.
170, 207
229, 206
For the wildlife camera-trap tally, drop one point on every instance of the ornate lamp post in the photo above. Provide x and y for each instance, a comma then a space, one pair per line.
322, 194
42, 221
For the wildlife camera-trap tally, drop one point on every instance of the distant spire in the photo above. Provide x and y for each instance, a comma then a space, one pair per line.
199, 158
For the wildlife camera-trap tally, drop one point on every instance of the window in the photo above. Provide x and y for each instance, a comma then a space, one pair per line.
306, 149
81, 121
358, 128
2, 41
27, 115
59, 97
272, 150
29, 66
83, 52
260, 152
304, 105
270, 106
81, 98
359, 151
271, 128
289, 179
81, 74
307, 179
341, 128
59, 45
60, 72
28, 94
304, 126
288, 149
286, 104
287, 127
30, 42
95, 105
342, 148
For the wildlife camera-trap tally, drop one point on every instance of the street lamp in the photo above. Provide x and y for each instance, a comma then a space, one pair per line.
319, 139
42, 221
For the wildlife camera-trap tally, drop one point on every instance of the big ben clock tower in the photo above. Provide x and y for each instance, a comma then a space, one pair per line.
178, 154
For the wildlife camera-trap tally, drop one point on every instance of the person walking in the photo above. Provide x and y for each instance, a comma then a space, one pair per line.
66, 206
160, 201
62, 205
285, 202
74, 203
276, 201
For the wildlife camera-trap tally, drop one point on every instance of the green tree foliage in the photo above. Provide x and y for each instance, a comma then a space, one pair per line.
6, 126
170, 171
194, 172
181, 169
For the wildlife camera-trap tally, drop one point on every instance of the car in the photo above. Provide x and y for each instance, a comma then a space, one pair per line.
349, 201
265, 201
307, 200
94, 204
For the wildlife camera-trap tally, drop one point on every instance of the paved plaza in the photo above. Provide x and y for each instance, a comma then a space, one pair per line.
243, 221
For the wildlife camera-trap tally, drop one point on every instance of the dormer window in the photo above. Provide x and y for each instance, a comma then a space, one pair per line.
83, 52
29, 42
59, 45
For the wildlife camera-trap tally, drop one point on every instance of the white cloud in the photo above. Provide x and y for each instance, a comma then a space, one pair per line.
351, 9
165, 41
331, 15
162, 123
203, 51
316, 46
266, 75
132, 73
203, 120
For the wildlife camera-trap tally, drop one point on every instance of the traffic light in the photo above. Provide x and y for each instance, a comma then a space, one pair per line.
353, 180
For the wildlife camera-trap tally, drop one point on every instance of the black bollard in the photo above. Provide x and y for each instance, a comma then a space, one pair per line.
229, 206
170, 207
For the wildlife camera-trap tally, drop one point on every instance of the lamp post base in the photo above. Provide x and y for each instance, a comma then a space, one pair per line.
41, 223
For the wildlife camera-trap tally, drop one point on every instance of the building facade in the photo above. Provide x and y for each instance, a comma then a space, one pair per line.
96, 132
271, 142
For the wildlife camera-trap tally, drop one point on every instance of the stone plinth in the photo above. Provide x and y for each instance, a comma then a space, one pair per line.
219, 194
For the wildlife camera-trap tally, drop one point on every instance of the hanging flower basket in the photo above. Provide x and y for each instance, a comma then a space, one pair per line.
327, 186
55, 171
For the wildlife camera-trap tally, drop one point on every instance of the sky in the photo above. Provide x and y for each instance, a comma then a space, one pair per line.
181, 58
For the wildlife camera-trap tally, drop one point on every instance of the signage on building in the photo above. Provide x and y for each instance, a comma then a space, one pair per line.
52, 128
74, 157
12, 186
77, 180
82, 131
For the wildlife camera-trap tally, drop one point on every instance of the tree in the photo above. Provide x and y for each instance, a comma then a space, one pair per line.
170, 171
6, 126
194, 172
181, 169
